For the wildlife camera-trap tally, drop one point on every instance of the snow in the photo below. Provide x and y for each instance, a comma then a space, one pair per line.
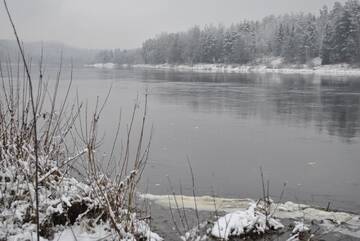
194, 234
58, 192
300, 228
144, 229
317, 61
240, 223
83, 233
273, 67
102, 65
293, 210
204, 203
341, 222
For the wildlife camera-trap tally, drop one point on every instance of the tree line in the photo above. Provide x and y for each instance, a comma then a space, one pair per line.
333, 34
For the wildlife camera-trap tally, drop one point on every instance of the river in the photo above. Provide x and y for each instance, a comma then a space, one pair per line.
301, 129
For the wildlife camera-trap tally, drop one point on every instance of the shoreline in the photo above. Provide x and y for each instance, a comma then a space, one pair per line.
325, 70
340, 70
345, 224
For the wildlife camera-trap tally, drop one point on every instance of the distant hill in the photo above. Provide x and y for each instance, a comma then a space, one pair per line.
52, 52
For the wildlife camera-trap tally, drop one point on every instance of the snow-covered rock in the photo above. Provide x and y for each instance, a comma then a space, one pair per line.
242, 223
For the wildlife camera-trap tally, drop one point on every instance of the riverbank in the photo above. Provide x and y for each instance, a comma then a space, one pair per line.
273, 67
331, 70
69, 209
329, 225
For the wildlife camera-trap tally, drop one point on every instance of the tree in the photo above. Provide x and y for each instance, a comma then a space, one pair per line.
192, 47
279, 41
174, 52
309, 42
228, 45
208, 45
327, 46
333, 35
105, 56
290, 45
344, 39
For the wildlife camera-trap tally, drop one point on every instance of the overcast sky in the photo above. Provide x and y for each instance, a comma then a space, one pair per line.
127, 23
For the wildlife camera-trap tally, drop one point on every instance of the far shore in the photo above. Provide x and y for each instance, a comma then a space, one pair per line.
333, 70
329, 70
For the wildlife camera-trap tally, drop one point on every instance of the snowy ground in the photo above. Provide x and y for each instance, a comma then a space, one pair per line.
333, 70
102, 65
239, 214
68, 209
81, 233
260, 65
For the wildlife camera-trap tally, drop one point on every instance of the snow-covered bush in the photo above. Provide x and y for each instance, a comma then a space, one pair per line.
63, 200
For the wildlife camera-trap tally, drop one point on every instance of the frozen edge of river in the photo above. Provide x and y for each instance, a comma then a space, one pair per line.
330, 221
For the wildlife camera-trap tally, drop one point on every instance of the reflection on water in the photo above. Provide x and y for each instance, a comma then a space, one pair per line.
329, 103
302, 129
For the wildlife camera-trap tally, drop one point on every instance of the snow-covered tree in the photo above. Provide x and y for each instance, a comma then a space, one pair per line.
208, 45
334, 35
279, 41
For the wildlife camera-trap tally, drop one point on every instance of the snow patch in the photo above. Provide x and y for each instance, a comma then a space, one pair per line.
204, 203
341, 222
102, 65
246, 222
273, 67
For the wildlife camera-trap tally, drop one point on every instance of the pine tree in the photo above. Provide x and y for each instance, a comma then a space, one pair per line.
321, 24
353, 8
309, 45
174, 55
344, 41
327, 46
228, 45
334, 35
192, 47
290, 45
208, 46
280, 39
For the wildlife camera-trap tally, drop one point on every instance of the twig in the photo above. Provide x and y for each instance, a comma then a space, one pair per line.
34, 121
194, 192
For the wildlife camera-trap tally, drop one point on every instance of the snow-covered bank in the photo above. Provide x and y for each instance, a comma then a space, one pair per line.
330, 70
102, 65
84, 233
330, 221
69, 209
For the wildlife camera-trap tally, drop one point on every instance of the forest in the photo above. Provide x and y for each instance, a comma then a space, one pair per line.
333, 35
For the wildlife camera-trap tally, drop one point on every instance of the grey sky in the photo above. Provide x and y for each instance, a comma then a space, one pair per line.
127, 23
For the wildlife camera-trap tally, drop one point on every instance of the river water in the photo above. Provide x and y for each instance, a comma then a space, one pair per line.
301, 129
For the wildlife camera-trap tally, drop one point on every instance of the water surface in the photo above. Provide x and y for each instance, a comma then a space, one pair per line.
302, 129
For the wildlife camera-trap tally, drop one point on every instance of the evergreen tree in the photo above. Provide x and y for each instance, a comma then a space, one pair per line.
334, 35
279, 42
228, 45
192, 46
290, 45
353, 8
208, 46
309, 45
344, 40
327, 46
